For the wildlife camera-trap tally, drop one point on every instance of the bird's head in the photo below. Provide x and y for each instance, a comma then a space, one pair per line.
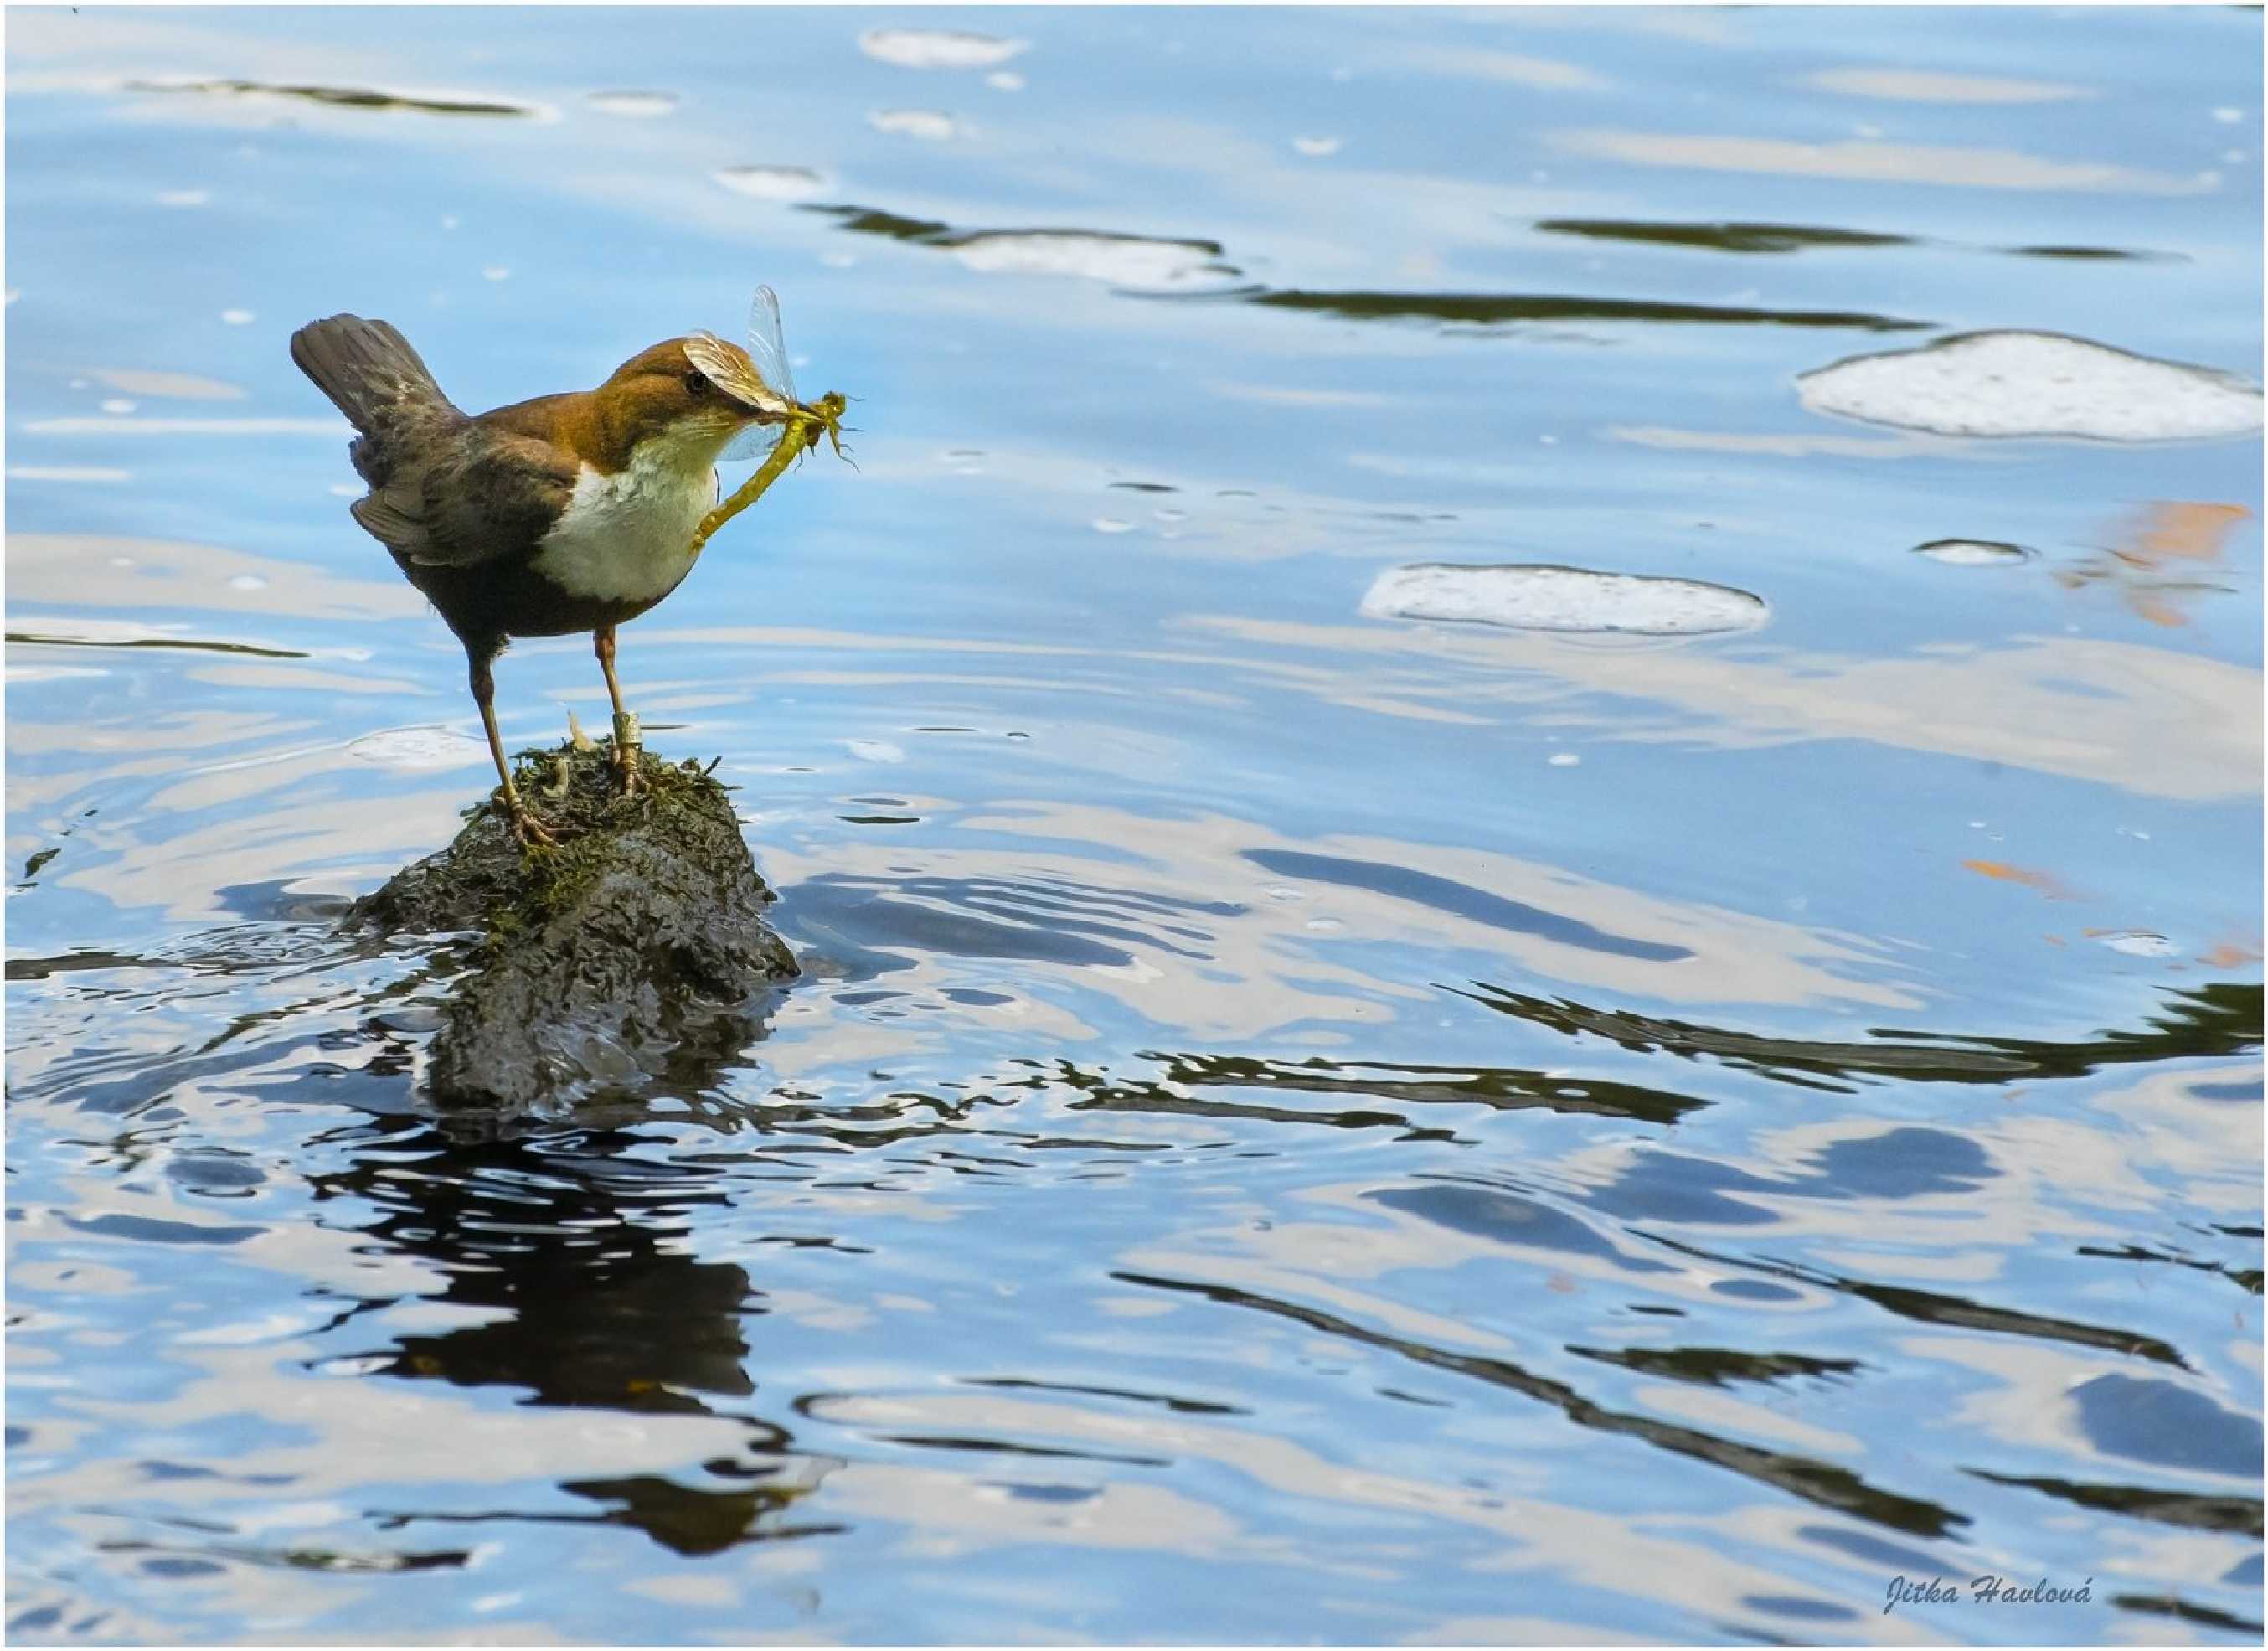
694, 394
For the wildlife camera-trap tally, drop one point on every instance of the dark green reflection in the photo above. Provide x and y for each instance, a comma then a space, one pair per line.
86, 958
1501, 1089
929, 232
2247, 1278
1929, 1306
33, 637
1745, 238
1477, 309
1501, 309
866, 220
188, 1560
336, 97
2102, 254
2172, 1605
2215, 1021
1813, 1481
1717, 1367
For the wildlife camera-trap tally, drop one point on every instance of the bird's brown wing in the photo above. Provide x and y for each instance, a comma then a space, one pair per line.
383, 516
492, 493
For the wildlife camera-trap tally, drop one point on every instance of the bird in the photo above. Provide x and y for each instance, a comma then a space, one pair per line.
568, 512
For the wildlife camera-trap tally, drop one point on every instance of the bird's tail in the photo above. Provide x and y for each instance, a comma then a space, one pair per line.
372, 376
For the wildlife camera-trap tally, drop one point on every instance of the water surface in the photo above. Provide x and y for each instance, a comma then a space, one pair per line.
1300, 1123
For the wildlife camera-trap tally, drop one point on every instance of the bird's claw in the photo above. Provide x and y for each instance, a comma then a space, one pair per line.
531, 832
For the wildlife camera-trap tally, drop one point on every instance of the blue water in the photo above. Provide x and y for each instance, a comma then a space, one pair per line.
1265, 1148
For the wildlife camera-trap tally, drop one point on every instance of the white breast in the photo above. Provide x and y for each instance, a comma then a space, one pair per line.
626, 537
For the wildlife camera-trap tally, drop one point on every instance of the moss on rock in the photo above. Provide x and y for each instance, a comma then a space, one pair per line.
634, 949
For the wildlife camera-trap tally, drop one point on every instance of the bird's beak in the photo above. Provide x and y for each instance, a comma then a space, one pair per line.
729, 368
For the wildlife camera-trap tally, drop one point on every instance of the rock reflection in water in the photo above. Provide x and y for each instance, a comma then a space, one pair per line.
571, 1266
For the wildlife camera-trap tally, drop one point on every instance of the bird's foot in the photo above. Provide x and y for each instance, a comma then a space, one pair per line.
531, 832
626, 779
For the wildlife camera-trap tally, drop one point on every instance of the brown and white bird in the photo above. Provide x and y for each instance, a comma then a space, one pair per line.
567, 513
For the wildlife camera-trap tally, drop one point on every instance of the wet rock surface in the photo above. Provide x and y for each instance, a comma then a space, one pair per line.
634, 950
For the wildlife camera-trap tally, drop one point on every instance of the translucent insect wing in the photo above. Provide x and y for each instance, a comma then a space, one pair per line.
766, 346
769, 350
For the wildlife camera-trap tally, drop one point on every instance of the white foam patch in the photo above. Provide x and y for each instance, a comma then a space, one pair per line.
1880, 163
75, 473
771, 183
1562, 598
1124, 261
2033, 384
634, 105
1919, 86
86, 631
418, 748
2137, 943
1972, 553
929, 125
126, 426
185, 386
937, 48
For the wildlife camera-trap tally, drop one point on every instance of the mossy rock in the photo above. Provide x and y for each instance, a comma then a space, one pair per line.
634, 952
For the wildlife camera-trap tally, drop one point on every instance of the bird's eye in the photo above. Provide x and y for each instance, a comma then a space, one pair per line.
696, 383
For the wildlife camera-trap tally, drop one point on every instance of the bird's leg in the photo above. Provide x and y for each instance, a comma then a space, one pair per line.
626, 726
525, 826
